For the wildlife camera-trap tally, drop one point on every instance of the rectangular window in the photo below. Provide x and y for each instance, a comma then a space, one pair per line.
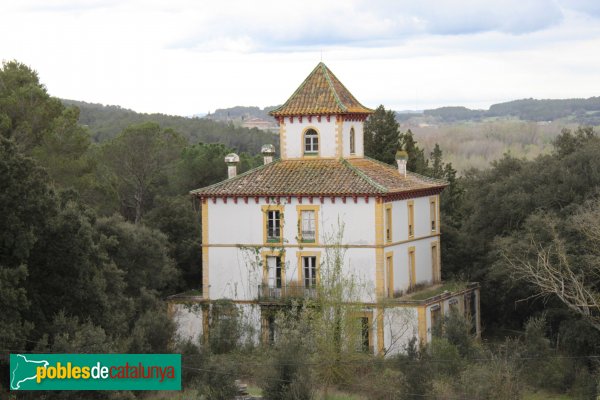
273, 226
411, 219
365, 327
308, 232
309, 266
308, 223
411, 267
435, 268
436, 321
389, 261
388, 223
275, 272
433, 213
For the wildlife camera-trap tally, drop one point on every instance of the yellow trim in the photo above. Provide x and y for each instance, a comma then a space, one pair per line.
434, 216
412, 273
339, 125
282, 139
422, 318
299, 210
410, 205
265, 209
369, 316
302, 245
436, 270
379, 278
389, 263
388, 222
205, 281
302, 145
380, 337
301, 254
273, 253
205, 323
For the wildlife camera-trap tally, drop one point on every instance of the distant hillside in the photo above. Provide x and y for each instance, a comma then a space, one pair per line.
579, 111
241, 113
106, 122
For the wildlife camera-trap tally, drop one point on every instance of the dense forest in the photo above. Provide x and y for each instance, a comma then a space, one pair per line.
106, 122
581, 111
97, 229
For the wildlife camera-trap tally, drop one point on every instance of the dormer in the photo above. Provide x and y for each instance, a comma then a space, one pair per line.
321, 119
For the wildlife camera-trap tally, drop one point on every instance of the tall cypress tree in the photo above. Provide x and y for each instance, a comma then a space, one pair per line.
381, 135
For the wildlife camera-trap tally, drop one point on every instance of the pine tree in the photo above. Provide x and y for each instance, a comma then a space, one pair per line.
381, 135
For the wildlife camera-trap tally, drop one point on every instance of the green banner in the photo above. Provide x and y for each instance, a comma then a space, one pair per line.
95, 371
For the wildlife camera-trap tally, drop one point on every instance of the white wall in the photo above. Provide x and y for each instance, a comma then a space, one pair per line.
188, 320
358, 138
400, 324
235, 264
422, 219
295, 140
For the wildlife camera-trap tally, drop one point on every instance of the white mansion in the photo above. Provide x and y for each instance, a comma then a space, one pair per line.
282, 213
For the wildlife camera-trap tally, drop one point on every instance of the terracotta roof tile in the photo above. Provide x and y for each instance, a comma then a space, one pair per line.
321, 177
321, 93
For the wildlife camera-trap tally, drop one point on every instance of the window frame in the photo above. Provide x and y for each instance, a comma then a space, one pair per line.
389, 266
266, 209
359, 315
388, 223
410, 206
301, 277
436, 272
265, 278
412, 267
300, 209
314, 144
434, 212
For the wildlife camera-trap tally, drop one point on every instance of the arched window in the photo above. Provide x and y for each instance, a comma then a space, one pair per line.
311, 142
352, 142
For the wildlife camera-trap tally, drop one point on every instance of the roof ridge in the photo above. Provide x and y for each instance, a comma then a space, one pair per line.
425, 177
297, 89
326, 72
364, 176
214, 185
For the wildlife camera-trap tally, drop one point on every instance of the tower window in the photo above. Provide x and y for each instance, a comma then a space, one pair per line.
311, 142
352, 141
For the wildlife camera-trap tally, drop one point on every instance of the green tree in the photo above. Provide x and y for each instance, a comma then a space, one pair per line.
136, 162
26, 109
381, 135
416, 156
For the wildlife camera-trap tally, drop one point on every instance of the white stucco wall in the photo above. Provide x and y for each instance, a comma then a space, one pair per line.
294, 139
188, 320
358, 138
236, 233
422, 217
400, 324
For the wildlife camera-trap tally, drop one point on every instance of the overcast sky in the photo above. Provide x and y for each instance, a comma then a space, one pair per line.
187, 56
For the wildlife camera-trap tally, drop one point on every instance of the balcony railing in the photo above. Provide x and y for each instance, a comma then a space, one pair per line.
266, 292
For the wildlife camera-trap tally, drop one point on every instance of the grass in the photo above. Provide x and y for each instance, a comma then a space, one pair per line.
435, 290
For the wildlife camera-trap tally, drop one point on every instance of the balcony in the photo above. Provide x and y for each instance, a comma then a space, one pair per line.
268, 293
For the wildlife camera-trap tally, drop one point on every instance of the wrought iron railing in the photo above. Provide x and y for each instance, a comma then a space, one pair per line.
266, 292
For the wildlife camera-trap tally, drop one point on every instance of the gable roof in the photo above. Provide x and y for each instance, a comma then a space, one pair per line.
321, 177
321, 93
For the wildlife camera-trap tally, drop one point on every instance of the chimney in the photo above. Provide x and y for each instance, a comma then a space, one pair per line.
402, 159
268, 151
232, 160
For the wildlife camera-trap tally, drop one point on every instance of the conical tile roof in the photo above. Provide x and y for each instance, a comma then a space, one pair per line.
321, 93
